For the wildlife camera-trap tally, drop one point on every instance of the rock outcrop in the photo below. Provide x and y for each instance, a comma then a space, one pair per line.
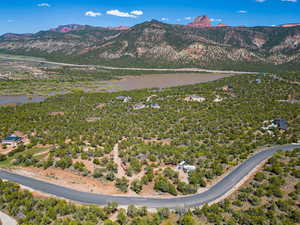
200, 21
119, 28
68, 28
290, 25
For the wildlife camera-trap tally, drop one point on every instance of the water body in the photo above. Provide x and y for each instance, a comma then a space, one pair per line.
161, 81
8, 100
129, 83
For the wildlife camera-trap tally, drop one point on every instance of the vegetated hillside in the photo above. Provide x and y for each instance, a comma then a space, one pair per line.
157, 44
55, 42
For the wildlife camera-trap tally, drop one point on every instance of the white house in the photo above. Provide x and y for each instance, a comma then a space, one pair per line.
149, 98
124, 98
194, 98
218, 99
184, 166
139, 106
155, 106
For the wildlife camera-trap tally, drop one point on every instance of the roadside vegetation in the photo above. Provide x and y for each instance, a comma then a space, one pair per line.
271, 197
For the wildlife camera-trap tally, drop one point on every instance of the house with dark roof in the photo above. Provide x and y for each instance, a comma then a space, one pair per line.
280, 123
12, 140
227, 88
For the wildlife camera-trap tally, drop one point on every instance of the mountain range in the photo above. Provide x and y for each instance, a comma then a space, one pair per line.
157, 44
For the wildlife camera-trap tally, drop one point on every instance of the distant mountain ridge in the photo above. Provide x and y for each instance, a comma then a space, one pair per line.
289, 25
157, 44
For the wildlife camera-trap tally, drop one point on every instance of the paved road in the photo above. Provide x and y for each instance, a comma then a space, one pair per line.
126, 68
212, 194
7, 220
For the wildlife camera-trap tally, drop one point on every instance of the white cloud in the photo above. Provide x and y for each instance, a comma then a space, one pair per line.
132, 14
137, 12
164, 19
116, 12
10, 21
188, 18
242, 11
92, 14
289, 0
260, 0
44, 5
216, 20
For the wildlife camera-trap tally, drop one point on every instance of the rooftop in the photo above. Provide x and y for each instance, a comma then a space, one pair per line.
12, 138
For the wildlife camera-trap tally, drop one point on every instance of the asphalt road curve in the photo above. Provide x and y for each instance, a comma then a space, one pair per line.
212, 194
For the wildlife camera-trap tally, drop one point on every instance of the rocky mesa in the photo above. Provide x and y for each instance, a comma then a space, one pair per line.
200, 21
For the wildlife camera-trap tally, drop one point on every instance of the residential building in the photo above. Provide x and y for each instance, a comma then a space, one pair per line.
194, 98
139, 106
124, 98
155, 106
184, 166
227, 87
218, 99
281, 124
12, 140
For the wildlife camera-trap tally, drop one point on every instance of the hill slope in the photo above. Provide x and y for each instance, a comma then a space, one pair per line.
158, 44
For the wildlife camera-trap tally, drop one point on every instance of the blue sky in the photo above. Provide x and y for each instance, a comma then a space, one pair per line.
24, 16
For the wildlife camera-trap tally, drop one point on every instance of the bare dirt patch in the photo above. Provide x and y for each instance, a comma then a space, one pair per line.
56, 113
